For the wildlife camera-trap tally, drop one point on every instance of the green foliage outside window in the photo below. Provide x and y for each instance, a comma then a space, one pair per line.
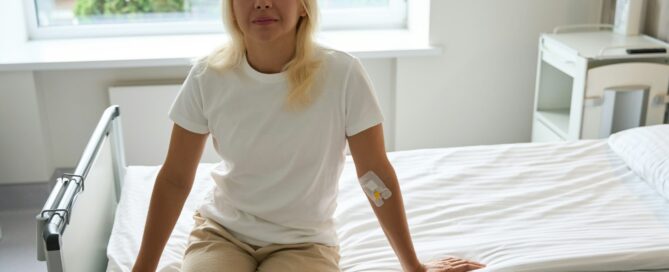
111, 7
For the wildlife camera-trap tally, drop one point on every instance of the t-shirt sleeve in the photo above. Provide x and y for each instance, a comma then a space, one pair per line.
187, 110
362, 105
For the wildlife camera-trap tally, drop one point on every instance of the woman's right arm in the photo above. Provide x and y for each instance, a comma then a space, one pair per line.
170, 191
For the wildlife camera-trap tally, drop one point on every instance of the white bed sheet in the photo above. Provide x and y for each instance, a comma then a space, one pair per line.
518, 207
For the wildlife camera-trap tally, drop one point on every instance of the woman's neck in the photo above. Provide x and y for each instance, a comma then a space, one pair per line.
270, 57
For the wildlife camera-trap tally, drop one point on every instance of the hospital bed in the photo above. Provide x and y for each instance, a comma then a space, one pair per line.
589, 205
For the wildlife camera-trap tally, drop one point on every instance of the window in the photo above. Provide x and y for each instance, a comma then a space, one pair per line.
89, 18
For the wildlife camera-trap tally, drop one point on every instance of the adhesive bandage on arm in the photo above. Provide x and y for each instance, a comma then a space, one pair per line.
374, 188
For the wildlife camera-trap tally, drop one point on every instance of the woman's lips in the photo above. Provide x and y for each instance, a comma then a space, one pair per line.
264, 21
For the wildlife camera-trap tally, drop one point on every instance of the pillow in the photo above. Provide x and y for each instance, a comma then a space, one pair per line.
646, 152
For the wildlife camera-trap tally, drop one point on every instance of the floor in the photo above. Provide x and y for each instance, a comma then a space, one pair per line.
18, 242
19, 204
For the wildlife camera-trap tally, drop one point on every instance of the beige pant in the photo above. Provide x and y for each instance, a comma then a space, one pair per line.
212, 248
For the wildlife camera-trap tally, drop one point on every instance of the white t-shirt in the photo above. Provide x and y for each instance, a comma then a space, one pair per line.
278, 178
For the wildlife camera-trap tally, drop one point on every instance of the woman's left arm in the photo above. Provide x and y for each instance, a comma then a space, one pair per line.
369, 154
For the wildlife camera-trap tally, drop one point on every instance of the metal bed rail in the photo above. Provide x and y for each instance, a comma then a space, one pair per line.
56, 213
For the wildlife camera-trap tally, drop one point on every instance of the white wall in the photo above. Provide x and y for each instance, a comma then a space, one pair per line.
75, 99
24, 155
480, 91
657, 19
11, 15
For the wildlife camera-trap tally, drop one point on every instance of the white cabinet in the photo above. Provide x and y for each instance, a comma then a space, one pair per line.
589, 85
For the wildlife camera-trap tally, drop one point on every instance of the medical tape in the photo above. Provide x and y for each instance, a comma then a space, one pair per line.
374, 188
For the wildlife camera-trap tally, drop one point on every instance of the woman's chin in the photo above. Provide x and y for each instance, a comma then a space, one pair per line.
265, 36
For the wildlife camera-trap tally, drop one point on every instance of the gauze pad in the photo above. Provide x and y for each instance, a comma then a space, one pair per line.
374, 188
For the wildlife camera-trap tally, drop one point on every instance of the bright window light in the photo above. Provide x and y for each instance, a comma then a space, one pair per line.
99, 18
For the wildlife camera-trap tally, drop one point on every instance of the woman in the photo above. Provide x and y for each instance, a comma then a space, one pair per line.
280, 110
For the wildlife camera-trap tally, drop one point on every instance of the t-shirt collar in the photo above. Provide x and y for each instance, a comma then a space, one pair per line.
277, 77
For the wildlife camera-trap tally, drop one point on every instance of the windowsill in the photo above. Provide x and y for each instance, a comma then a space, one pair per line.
155, 51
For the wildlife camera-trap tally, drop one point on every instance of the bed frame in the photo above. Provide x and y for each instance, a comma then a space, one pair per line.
74, 226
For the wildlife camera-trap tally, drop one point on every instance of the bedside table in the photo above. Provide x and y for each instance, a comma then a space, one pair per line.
592, 84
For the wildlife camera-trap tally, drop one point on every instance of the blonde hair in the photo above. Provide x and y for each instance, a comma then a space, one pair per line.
301, 70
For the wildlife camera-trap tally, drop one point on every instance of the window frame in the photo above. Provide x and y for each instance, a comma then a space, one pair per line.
331, 20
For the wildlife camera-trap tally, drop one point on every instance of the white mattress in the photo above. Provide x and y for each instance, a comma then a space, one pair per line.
518, 207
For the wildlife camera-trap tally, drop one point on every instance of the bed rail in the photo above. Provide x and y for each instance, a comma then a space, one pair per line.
90, 194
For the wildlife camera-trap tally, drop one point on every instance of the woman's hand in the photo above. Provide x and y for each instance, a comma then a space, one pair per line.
450, 264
